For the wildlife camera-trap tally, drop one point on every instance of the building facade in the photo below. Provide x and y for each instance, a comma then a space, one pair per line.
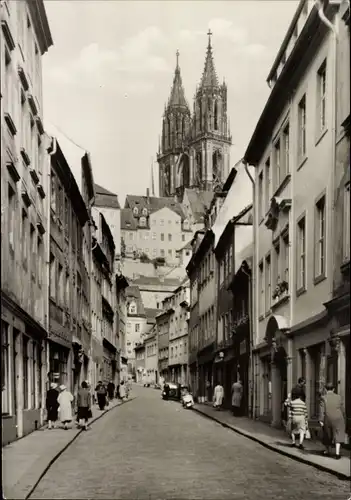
151, 360
163, 326
178, 334
195, 150
25, 172
293, 261
140, 363
121, 319
339, 306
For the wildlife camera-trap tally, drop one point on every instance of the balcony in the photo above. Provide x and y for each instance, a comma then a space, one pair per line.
281, 294
41, 191
25, 156
10, 124
11, 167
25, 196
32, 104
23, 77
34, 176
277, 205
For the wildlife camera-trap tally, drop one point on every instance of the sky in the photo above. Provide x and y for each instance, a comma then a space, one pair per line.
109, 74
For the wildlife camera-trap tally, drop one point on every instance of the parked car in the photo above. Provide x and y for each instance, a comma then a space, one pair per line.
172, 393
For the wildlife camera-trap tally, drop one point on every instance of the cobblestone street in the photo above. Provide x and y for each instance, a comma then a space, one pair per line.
151, 449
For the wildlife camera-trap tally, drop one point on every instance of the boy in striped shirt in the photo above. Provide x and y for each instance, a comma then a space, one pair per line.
298, 418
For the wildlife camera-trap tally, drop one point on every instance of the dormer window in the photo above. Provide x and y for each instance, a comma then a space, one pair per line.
186, 224
135, 211
142, 221
132, 308
144, 212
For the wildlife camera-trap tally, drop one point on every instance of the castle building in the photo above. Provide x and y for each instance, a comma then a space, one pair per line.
194, 150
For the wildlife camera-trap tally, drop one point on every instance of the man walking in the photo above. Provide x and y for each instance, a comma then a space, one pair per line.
111, 390
101, 394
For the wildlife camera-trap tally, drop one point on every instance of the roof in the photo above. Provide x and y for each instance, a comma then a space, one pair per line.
127, 219
209, 76
177, 97
104, 198
187, 246
41, 24
153, 204
154, 280
199, 202
133, 294
151, 313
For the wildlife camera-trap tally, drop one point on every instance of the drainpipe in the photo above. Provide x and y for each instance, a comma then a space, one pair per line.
252, 286
51, 152
334, 28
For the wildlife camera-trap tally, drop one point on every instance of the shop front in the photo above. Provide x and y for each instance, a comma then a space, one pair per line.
205, 366
109, 362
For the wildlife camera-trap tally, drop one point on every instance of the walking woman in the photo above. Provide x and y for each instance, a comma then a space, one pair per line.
52, 405
218, 396
332, 419
65, 401
298, 418
84, 406
122, 391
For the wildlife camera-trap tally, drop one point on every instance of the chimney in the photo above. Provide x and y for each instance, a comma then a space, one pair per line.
147, 193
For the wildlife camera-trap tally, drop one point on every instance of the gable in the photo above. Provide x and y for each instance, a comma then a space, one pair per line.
165, 213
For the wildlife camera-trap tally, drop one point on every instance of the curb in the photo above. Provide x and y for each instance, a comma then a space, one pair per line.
53, 460
339, 475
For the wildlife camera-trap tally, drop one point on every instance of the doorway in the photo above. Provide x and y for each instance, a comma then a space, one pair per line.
281, 382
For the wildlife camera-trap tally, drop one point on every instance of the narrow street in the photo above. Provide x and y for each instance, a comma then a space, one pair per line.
151, 449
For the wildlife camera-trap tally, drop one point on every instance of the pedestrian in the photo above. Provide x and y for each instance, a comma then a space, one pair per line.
299, 389
298, 418
166, 391
52, 405
332, 420
237, 394
218, 396
122, 391
111, 390
117, 392
84, 406
101, 394
65, 400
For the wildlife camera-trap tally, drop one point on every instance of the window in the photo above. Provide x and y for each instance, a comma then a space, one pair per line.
162, 237
52, 277
320, 238
260, 196
302, 129
346, 224
40, 261
34, 375
11, 216
24, 236
170, 252
169, 237
53, 192
267, 183
66, 214
276, 262
286, 149
162, 252
60, 285
277, 165
33, 252
132, 308
285, 264
268, 285
261, 282
5, 374
301, 254
137, 327
162, 222
135, 211
153, 236
142, 221
25, 360
321, 92
130, 236
183, 237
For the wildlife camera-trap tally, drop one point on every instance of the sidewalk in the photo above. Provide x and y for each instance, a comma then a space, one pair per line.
278, 441
26, 460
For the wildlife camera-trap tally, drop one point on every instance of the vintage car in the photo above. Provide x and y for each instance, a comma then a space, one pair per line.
172, 393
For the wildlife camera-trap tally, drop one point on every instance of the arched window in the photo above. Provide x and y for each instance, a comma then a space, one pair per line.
132, 308
142, 221
186, 172
135, 211
216, 116
145, 211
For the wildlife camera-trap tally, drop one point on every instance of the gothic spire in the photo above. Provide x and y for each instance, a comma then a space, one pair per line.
177, 97
209, 77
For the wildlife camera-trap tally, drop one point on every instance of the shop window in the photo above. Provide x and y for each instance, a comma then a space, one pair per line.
5, 379
25, 361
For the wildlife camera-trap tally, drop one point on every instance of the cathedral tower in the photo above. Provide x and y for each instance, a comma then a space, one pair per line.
209, 146
175, 130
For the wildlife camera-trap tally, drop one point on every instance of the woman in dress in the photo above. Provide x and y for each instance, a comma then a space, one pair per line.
84, 405
218, 396
52, 405
332, 419
298, 418
122, 391
65, 401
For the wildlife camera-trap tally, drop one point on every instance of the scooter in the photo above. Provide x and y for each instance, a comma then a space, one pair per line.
188, 401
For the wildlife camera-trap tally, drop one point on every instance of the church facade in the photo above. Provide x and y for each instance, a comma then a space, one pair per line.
194, 151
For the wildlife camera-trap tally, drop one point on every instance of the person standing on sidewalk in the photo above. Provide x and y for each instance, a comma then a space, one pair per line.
84, 406
111, 390
298, 418
237, 394
52, 405
332, 419
218, 396
65, 401
101, 394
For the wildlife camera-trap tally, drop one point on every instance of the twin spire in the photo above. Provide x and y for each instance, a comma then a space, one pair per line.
209, 78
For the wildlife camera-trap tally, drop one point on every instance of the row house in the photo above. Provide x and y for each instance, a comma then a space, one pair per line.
140, 363
163, 321
25, 38
137, 325
178, 334
151, 359
233, 253
339, 306
69, 286
121, 319
202, 270
104, 319
293, 152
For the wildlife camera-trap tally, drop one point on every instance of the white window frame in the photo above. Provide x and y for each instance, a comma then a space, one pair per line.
301, 254
320, 238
